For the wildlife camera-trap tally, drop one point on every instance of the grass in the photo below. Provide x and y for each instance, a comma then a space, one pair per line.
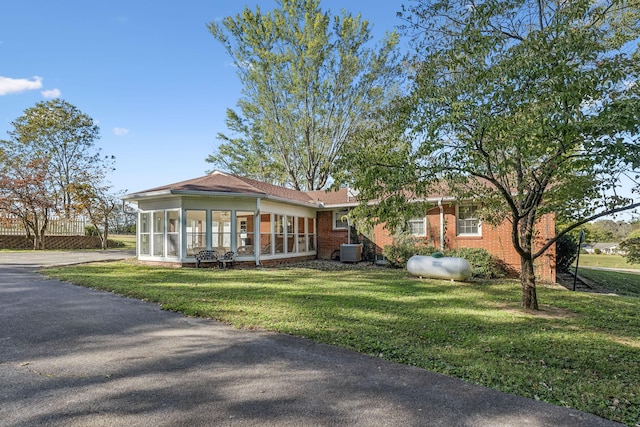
128, 240
619, 282
606, 261
581, 350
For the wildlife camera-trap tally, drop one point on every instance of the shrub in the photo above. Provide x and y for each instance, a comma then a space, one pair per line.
597, 251
566, 252
403, 248
483, 264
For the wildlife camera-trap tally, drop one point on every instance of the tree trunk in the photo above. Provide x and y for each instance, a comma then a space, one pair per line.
528, 280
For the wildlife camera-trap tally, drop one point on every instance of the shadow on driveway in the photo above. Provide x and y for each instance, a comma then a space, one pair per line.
74, 356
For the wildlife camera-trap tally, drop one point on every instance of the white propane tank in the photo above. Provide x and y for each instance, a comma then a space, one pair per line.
439, 267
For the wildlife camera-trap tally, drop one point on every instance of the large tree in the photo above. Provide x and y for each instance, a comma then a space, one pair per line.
64, 135
528, 106
310, 82
49, 151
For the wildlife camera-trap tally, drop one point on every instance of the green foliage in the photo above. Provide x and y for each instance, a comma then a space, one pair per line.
403, 248
581, 351
90, 230
530, 107
566, 252
632, 248
310, 84
59, 134
483, 264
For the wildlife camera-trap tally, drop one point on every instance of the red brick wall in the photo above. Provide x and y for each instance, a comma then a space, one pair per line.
329, 240
496, 240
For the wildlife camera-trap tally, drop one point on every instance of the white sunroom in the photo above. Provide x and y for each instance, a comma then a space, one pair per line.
222, 212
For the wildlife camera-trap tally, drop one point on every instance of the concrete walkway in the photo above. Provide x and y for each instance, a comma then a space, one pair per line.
72, 356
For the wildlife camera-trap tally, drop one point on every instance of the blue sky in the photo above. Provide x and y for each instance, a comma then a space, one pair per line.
148, 72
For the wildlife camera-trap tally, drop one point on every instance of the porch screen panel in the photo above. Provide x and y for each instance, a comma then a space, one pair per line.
158, 233
245, 234
301, 235
291, 238
196, 231
266, 241
279, 234
145, 242
311, 233
173, 235
221, 231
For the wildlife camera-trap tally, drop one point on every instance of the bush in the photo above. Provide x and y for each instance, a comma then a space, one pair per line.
403, 248
566, 252
597, 251
483, 264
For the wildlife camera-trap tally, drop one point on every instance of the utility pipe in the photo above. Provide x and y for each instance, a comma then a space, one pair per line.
441, 224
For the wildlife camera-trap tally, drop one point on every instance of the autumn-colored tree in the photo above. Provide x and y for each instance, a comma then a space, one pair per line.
24, 194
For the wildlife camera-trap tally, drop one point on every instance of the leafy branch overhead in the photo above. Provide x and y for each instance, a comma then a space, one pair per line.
531, 107
310, 84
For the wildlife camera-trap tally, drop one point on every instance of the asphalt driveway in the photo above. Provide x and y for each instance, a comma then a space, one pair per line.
78, 357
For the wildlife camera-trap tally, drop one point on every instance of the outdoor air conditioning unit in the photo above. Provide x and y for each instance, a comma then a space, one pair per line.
350, 253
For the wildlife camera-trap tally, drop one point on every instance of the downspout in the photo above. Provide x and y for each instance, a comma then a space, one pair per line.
256, 233
441, 224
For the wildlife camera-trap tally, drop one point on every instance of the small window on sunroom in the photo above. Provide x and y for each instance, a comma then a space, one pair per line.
468, 221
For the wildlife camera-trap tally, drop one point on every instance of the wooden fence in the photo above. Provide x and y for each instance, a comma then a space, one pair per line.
11, 226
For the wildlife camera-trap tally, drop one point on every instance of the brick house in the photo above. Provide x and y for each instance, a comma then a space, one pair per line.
266, 224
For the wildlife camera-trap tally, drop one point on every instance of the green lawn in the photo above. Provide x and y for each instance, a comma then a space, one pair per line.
607, 261
581, 350
623, 283
128, 240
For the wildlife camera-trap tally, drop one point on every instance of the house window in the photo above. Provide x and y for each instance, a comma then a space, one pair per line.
340, 219
468, 221
417, 227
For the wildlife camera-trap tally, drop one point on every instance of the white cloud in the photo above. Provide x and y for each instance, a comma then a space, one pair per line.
120, 131
9, 85
53, 93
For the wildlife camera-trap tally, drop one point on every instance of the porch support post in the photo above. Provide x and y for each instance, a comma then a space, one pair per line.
256, 233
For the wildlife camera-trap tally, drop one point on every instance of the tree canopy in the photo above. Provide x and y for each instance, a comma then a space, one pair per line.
50, 150
310, 83
528, 106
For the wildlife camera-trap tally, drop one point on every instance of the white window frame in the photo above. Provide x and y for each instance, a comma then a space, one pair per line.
336, 217
422, 221
458, 219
